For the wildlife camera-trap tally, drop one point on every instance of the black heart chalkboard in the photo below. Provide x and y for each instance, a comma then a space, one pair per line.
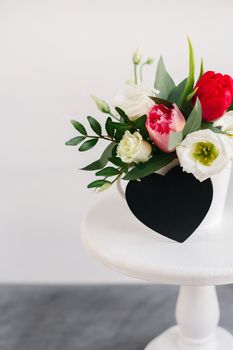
173, 205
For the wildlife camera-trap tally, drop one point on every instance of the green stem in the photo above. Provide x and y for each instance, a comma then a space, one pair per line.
118, 176
141, 69
101, 137
113, 116
135, 74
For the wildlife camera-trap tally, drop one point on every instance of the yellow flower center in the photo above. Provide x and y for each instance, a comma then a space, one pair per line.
205, 152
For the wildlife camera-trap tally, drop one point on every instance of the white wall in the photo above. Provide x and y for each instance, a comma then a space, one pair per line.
53, 54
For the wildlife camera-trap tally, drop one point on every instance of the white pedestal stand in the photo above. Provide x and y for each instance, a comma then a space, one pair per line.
112, 234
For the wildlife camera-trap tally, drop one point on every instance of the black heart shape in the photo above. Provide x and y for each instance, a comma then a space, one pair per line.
173, 205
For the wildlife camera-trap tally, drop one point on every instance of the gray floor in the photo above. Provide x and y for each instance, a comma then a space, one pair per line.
90, 317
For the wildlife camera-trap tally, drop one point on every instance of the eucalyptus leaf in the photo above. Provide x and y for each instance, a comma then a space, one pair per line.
163, 81
194, 120
163, 101
100, 163
98, 183
155, 163
109, 171
95, 125
207, 125
88, 145
75, 141
175, 139
176, 94
78, 126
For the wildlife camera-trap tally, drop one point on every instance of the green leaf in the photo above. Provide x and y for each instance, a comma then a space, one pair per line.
116, 161
159, 100
192, 94
75, 141
206, 125
194, 120
176, 94
174, 139
98, 183
121, 126
95, 125
88, 145
109, 127
190, 82
140, 122
231, 107
201, 69
100, 163
163, 81
78, 126
155, 163
123, 115
109, 171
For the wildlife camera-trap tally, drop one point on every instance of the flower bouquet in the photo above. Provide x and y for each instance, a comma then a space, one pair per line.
183, 131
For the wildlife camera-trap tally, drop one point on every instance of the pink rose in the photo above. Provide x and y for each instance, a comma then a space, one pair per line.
161, 121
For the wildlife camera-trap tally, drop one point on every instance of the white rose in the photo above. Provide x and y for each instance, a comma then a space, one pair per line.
204, 153
133, 100
132, 148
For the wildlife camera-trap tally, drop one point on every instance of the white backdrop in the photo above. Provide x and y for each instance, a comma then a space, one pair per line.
53, 54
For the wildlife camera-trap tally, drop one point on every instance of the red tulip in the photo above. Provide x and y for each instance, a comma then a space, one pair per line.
215, 92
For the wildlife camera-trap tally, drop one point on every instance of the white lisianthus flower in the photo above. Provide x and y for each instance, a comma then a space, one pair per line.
226, 125
133, 149
204, 153
134, 100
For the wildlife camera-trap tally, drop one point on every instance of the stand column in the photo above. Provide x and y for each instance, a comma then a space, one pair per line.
197, 315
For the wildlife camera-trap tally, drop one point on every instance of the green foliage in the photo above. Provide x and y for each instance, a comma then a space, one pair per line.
207, 125
194, 120
88, 145
124, 117
176, 94
163, 81
155, 163
75, 141
109, 171
100, 163
201, 69
95, 125
98, 183
78, 126
117, 161
109, 127
174, 139
163, 101
190, 81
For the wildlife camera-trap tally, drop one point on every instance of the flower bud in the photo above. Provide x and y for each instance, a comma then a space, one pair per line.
161, 122
101, 104
150, 60
137, 56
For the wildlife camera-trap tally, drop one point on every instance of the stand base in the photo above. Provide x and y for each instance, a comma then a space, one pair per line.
169, 340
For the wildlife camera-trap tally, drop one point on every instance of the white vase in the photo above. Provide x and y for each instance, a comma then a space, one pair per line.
220, 188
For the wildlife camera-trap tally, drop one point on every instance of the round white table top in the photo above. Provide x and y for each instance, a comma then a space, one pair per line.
114, 236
